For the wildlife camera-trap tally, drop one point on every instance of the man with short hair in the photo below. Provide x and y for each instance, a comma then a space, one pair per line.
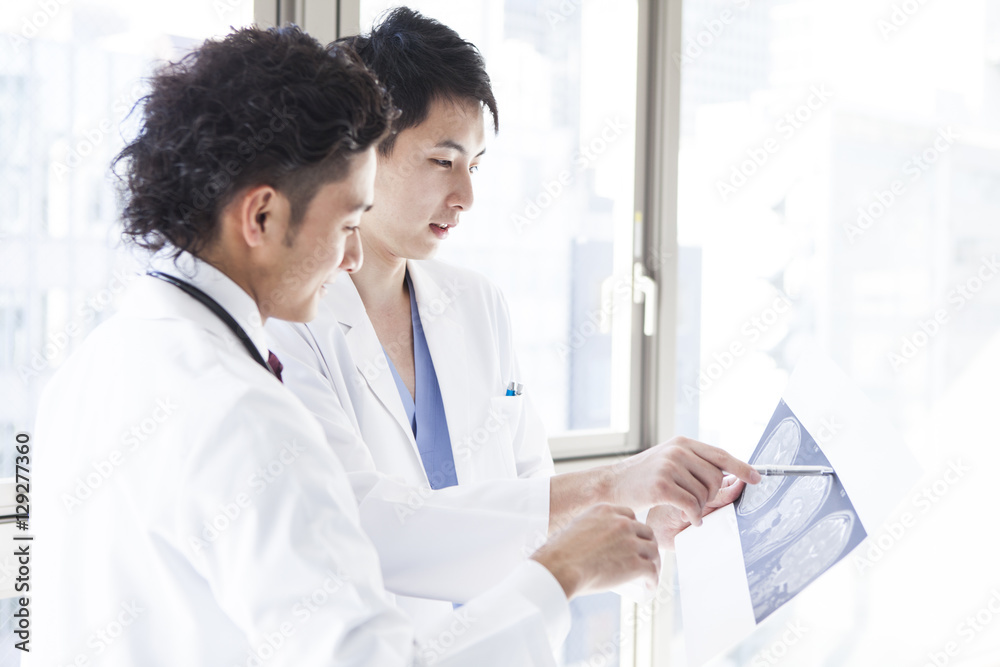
188, 508
419, 353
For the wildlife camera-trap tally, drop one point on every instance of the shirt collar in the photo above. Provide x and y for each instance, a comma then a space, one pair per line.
216, 284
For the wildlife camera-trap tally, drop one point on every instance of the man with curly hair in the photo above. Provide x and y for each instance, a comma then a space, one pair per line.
189, 510
420, 353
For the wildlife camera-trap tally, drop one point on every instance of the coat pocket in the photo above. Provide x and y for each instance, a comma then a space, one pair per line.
488, 449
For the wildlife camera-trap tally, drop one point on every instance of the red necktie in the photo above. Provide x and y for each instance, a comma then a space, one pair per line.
272, 361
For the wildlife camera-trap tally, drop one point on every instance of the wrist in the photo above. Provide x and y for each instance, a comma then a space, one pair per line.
602, 487
569, 576
571, 493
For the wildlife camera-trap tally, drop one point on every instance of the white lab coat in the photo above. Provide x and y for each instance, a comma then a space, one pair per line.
188, 511
452, 543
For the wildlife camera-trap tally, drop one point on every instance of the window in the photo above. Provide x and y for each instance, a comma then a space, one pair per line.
839, 186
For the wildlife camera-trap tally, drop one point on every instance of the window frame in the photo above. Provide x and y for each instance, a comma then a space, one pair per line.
653, 357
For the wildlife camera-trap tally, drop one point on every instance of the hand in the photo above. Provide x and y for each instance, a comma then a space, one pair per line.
667, 521
681, 472
603, 547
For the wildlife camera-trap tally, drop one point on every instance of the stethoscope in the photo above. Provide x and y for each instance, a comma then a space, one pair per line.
219, 311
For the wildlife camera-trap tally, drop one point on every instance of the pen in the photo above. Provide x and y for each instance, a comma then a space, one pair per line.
514, 389
793, 470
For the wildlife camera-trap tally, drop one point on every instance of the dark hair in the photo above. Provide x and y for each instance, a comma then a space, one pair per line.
259, 107
419, 59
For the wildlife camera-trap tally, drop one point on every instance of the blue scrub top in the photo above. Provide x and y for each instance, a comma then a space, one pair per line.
426, 408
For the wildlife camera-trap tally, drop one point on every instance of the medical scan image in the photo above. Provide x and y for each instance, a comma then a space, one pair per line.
778, 525
795, 528
780, 448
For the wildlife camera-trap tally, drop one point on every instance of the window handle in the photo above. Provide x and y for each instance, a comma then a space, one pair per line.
644, 291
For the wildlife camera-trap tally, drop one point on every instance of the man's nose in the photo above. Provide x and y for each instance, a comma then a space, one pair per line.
353, 256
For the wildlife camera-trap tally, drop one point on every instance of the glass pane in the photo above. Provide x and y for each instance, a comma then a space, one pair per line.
840, 187
593, 638
552, 223
69, 73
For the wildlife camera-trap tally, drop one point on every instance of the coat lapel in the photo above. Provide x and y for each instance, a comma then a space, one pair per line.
367, 353
446, 340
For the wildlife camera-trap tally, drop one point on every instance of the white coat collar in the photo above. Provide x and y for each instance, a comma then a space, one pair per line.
445, 340
216, 284
348, 311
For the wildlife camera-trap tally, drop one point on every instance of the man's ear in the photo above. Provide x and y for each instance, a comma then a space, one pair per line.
262, 215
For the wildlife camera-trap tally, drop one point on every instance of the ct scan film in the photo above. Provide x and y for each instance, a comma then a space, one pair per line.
792, 529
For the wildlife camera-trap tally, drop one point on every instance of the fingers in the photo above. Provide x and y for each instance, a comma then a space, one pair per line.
723, 460
647, 548
644, 532
647, 566
612, 511
646, 542
688, 505
729, 480
652, 570
602, 547
687, 481
624, 511
706, 473
726, 495
647, 538
643, 547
